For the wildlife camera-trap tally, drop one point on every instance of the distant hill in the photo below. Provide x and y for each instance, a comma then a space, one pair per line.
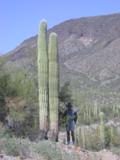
89, 53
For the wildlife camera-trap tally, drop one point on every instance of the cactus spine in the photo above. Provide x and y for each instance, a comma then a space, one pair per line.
43, 78
53, 85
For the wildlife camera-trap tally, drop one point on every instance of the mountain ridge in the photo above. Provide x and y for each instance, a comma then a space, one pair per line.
85, 45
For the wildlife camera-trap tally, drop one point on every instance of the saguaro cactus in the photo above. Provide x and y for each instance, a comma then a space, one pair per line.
53, 85
82, 137
102, 130
43, 79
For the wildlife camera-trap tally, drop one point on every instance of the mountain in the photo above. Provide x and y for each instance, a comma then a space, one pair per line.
89, 53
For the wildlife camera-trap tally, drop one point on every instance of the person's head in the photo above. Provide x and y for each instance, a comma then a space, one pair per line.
69, 106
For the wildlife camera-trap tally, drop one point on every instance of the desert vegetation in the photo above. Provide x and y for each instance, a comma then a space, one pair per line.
26, 120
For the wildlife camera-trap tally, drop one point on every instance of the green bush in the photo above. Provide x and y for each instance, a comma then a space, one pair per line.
89, 138
46, 149
5, 90
25, 122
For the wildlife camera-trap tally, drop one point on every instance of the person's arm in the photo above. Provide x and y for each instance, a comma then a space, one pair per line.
76, 117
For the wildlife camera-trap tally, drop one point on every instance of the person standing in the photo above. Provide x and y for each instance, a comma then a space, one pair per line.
71, 119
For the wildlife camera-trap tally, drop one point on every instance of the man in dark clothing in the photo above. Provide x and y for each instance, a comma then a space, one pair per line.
71, 119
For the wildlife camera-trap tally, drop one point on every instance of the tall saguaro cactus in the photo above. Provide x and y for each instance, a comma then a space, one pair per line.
43, 78
53, 85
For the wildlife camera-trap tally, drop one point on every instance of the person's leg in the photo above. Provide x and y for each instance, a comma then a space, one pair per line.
73, 136
68, 137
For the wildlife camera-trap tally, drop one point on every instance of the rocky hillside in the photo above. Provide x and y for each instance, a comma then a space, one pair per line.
89, 53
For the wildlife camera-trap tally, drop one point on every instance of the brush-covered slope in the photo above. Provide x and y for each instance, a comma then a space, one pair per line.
89, 53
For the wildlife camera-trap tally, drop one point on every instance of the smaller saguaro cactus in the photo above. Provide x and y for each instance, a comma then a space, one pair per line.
111, 135
102, 130
95, 109
53, 86
83, 137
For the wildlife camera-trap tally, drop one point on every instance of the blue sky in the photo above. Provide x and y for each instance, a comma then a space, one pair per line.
19, 19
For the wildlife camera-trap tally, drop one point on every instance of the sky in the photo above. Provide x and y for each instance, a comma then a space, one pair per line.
19, 19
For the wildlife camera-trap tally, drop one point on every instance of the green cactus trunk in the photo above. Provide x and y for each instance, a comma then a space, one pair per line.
83, 137
43, 79
111, 136
53, 86
102, 130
